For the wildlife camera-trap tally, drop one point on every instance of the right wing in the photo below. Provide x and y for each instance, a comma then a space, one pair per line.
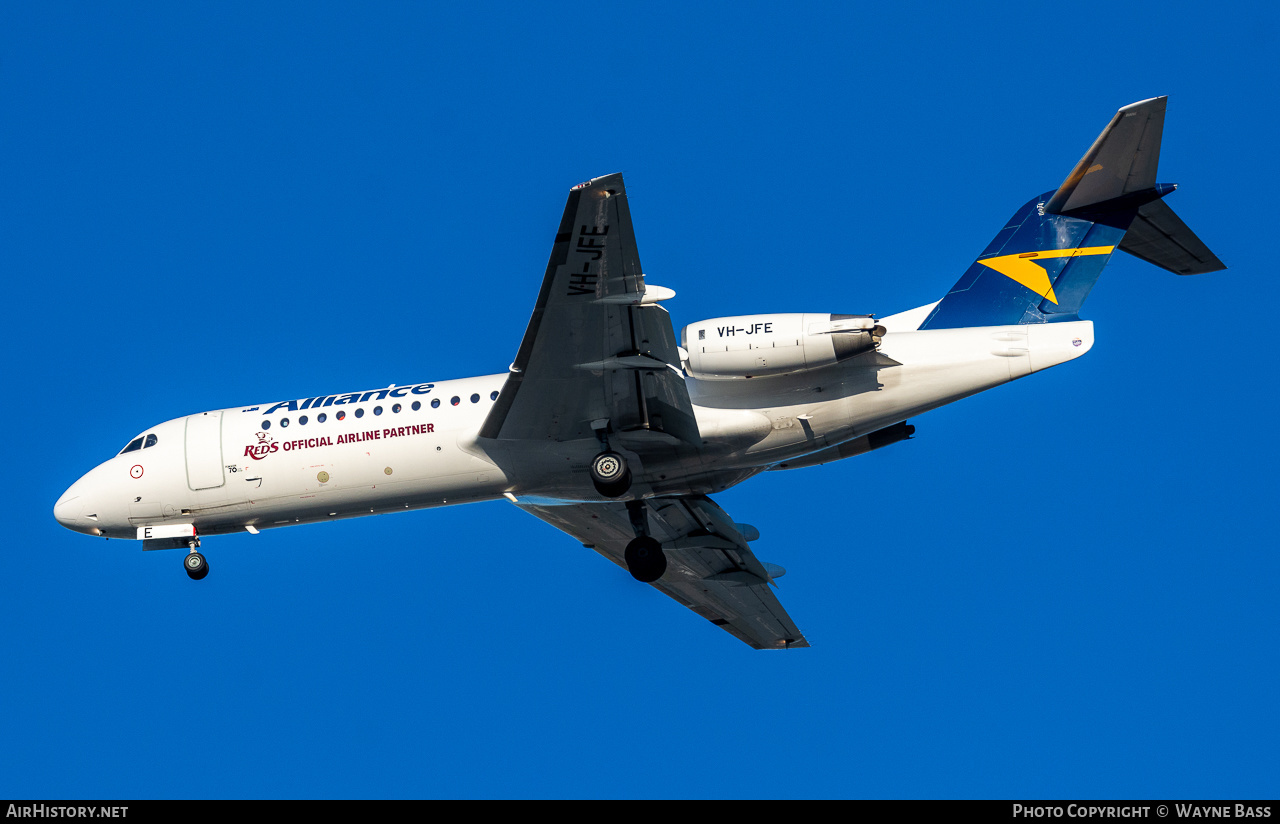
710, 568
598, 346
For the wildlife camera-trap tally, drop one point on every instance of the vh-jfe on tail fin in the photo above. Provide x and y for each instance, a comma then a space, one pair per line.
1043, 263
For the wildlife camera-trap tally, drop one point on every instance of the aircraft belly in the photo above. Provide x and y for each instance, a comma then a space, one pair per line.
352, 502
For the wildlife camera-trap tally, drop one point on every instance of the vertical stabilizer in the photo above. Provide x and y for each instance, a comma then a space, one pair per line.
1042, 265
1121, 161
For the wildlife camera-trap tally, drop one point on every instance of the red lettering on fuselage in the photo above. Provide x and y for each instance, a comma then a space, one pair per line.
260, 451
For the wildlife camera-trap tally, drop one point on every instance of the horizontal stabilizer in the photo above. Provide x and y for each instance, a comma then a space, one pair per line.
1159, 236
1121, 161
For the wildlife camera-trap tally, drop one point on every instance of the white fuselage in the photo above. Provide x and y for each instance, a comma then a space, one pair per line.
280, 464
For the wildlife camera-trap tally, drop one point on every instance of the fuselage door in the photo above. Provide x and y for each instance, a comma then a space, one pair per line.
204, 451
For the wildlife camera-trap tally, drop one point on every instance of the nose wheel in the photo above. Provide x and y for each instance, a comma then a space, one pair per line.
195, 564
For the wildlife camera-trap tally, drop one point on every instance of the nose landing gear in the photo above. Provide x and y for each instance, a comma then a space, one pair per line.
195, 564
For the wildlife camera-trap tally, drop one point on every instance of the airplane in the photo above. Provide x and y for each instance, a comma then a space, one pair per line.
612, 430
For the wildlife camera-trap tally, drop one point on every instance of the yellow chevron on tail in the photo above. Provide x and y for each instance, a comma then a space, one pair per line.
1022, 269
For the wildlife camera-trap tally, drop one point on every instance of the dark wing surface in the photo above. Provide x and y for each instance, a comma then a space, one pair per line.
710, 568
1159, 236
598, 346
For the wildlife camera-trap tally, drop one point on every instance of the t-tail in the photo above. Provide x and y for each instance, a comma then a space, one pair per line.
1043, 263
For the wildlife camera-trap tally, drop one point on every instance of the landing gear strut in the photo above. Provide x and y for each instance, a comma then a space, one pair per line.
197, 567
644, 556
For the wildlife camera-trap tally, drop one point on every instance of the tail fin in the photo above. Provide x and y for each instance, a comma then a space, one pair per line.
1043, 263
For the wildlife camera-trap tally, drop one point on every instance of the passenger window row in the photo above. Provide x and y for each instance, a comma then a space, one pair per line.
341, 414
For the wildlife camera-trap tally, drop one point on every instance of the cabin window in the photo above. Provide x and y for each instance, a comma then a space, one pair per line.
360, 412
377, 410
417, 405
302, 421
475, 398
395, 408
455, 400
151, 441
284, 421
342, 415
321, 418
266, 424
493, 396
435, 403
133, 446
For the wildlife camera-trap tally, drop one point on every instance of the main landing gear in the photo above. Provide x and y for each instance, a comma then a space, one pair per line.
645, 559
608, 470
610, 474
644, 556
195, 564
612, 478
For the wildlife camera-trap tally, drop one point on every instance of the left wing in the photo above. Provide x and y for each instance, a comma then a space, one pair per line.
598, 346
710, 568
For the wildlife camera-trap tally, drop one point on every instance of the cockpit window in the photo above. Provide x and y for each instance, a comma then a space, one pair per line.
151, 441
133, 446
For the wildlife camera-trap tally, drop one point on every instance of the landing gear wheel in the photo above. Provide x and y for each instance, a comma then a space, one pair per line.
610, 474
645, 559
197, 567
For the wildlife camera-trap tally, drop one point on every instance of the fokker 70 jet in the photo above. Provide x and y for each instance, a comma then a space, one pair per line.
613, 430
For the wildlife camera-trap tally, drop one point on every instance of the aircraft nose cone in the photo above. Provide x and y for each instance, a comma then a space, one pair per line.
67, 509
70, 510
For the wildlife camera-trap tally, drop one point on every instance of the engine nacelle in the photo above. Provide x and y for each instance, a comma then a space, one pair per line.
758, 346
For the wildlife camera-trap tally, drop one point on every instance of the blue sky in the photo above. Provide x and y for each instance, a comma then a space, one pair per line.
1064, 587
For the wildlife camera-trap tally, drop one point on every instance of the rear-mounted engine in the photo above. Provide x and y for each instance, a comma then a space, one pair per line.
757, 346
